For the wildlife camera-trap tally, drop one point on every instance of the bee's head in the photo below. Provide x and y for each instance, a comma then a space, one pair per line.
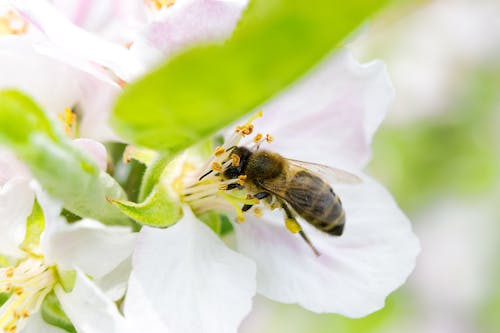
237, 169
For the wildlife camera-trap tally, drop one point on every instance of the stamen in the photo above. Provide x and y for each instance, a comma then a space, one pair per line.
257, 138
10, 272
12, 24
241, 179
219, 151
257, 211
269, 138
159, 4
216, 166
235, 160
68, 118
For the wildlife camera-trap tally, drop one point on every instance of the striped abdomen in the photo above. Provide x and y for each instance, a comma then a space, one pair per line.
315, 201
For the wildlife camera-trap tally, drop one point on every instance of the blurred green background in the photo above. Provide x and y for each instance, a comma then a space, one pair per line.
439, 154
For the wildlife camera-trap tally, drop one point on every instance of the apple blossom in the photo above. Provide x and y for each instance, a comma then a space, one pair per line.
329, 118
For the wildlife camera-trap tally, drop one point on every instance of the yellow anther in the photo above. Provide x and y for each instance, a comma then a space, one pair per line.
6, 288
241, 179
240, 218
10, 272
236, 160
68, 118
159, 4
269, 138
18, 291
25, 313
258, 137
12, 24
216, 166
292, 226
219, 151
246, 129
257, 211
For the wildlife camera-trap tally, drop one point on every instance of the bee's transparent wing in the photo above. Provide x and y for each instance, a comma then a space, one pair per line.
330, 174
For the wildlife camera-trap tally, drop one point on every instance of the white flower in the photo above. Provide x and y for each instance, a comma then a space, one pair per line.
39, 255
328, 118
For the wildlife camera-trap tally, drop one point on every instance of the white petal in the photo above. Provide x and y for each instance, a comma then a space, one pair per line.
90, 246
77, 46
88, 308
24, 69
36, 324
95, 149
191, 278
355, 271
114, 283
331, 115
187, 23
16, 204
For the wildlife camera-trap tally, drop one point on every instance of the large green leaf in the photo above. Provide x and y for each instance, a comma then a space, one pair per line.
64, 171
207, 87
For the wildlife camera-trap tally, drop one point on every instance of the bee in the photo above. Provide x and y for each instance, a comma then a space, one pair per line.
300, 188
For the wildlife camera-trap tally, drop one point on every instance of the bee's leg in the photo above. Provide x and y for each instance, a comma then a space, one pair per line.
294, 227
260, 195
233, 186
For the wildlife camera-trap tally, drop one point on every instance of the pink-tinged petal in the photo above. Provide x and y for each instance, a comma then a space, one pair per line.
190, 277
355, 271
95, 149
185, 24
79, 48
330, 116
89, 309
24, 69
11, 167
96, 102
90, 246
16, 203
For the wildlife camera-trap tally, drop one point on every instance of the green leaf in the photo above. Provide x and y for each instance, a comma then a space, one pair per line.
64, 171
53, 314
34, 228
205, 88
162, 207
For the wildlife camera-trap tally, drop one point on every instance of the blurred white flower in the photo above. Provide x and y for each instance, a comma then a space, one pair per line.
86, 71
329, 118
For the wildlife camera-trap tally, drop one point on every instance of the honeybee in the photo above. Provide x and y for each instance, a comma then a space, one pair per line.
301, 188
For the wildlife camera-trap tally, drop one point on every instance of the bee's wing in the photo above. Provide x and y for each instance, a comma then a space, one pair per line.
330, 174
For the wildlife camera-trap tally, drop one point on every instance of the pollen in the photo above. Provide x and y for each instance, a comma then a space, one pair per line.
235, 160
216, 166
10, 272
12, 24
245, 129
292, 226
219, 151
18, 291
269, 138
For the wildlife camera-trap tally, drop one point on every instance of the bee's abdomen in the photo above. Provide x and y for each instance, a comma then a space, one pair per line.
315, 201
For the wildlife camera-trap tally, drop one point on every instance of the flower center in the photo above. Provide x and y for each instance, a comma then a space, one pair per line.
68, 119
12, 24
210, 189
160, 4
27, 283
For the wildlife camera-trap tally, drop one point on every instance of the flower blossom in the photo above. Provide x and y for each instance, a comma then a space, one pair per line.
328, 118
44, 258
